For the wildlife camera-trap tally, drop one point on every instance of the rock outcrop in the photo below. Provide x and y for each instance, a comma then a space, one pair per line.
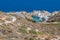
55, 18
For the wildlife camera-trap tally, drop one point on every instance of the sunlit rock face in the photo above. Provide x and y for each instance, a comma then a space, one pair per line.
2, 15
17, 13
55, 12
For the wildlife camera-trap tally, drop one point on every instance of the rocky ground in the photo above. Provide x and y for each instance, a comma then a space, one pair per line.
14, 27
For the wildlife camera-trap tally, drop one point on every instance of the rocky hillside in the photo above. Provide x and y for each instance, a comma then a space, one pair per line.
16, 27
55, 18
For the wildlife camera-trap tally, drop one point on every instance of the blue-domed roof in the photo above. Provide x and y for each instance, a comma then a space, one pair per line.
37, 19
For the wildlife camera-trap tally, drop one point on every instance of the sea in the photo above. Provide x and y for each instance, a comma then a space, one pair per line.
29, 5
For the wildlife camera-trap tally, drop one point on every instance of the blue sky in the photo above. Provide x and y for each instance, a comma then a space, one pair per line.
29, 5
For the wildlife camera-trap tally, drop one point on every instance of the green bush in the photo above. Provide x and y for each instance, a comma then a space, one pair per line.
32, 31
22, 29
40, 32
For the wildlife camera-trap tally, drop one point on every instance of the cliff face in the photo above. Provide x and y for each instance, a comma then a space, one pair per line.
16, 27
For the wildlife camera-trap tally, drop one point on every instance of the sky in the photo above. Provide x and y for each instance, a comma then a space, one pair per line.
29, 5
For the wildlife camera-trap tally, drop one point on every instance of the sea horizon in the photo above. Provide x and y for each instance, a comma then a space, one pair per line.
29, 5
